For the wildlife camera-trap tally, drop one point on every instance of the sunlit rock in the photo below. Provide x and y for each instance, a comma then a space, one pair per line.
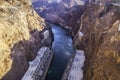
17, 20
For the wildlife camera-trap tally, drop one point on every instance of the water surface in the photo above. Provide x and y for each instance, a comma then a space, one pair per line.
63, 49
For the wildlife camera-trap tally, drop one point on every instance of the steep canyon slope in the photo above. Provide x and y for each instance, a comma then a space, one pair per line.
99, 21
19, 35
66, 13
100, 24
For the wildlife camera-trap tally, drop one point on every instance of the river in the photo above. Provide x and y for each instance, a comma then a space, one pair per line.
62, 48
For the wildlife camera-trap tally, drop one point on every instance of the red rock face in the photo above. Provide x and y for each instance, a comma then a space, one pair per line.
100, 25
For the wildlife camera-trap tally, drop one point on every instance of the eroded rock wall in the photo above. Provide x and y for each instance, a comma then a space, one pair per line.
66, 13
19, 37
100, 26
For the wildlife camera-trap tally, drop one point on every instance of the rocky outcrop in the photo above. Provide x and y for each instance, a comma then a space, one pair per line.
20, 37
66, 13
100, 26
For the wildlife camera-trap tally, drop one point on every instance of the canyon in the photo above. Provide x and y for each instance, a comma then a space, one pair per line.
93, 25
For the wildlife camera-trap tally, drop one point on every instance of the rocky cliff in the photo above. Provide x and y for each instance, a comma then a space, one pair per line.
20, 28
101, 41
66, 13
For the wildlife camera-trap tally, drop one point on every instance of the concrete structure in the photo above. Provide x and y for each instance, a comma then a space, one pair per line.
74, 68
46, 34
77, 39
39, 66
116, 4
119, 26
